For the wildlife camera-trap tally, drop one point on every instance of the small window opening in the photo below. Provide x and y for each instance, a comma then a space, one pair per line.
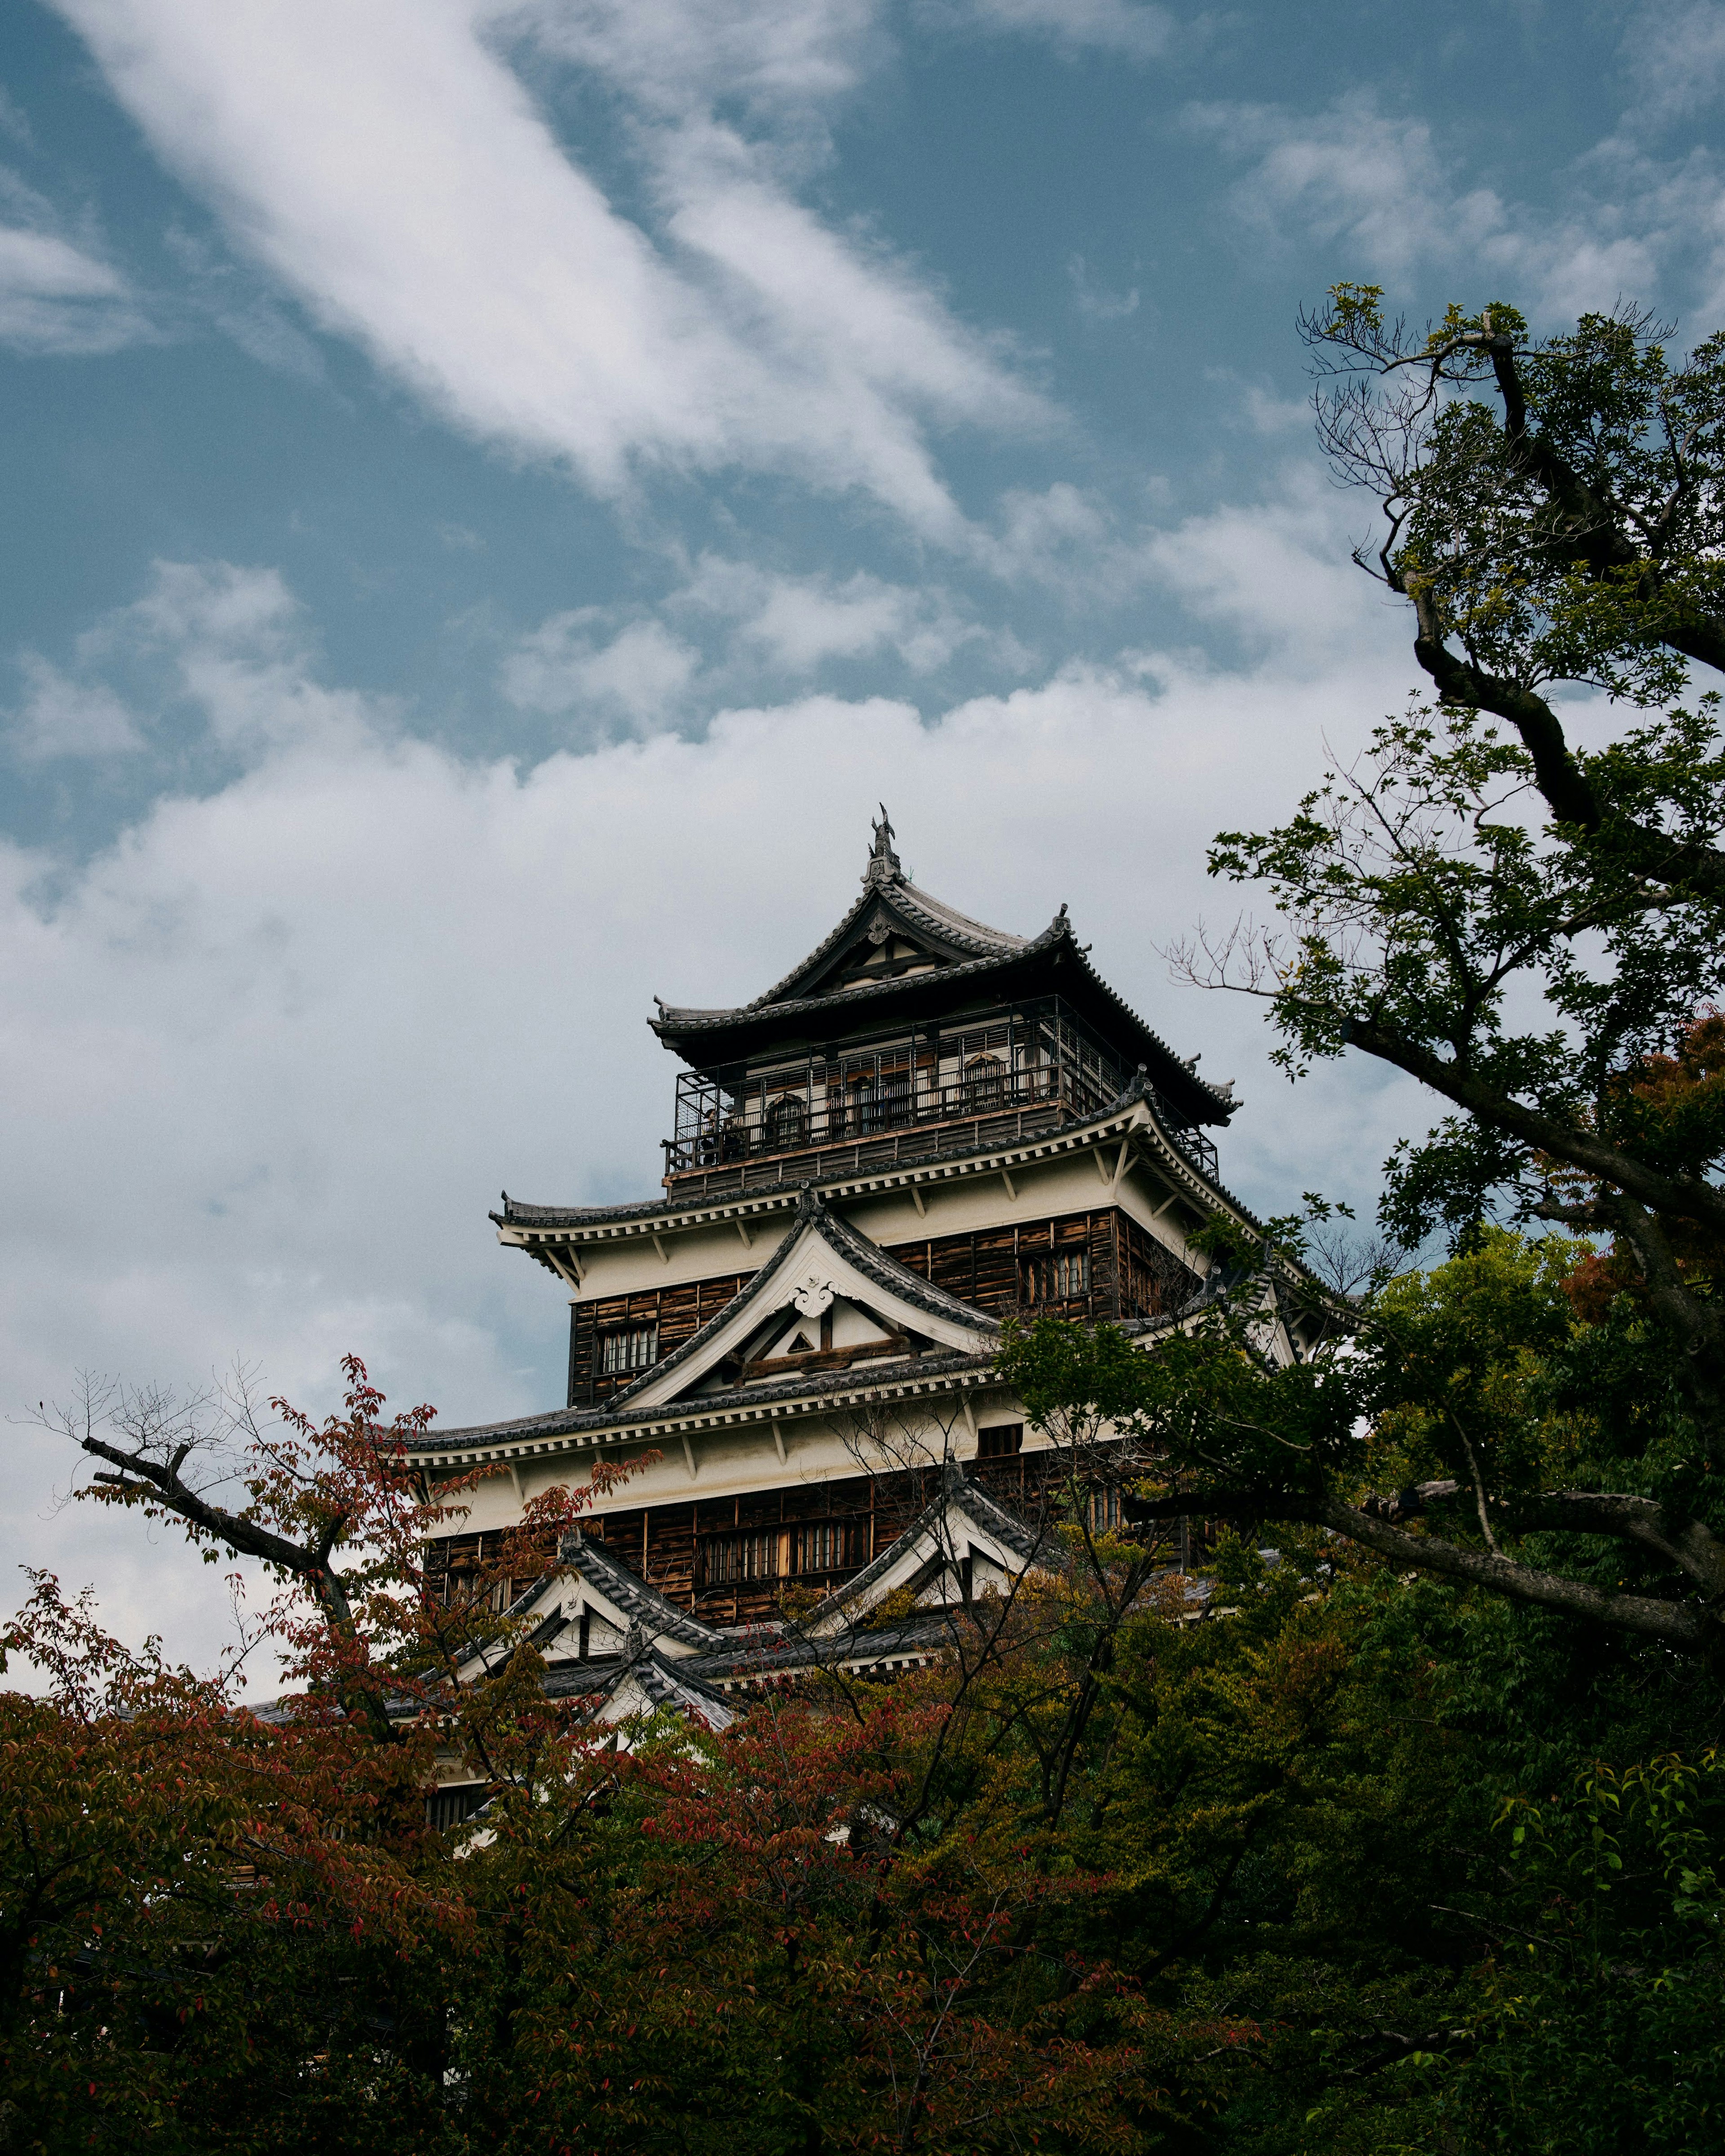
785, 1122
1000, 1440
734, 1557
631, 1347
823, 1546
984, 1084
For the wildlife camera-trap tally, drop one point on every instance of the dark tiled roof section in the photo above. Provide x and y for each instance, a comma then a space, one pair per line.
919, 910
680, 1024
672, 1684
867, 1257
781, 1649
645, 1605
956, 1495
672, 1020
556, 1422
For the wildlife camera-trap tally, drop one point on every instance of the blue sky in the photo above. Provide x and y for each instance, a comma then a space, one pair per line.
497, 493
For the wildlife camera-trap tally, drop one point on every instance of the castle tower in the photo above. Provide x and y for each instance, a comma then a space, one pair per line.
927, 1125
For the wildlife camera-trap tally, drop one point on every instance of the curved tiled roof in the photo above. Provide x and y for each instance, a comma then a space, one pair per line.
869, 1258
674, 1020
1218, 1102
956, 1492
645, 1605
886, 884
560, 1422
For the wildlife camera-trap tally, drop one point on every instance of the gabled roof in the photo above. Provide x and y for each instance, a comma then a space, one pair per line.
888, 901
631, 1597
837, 1249
966, 960
929, 1538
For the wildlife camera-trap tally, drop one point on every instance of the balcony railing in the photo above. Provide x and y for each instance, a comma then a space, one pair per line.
1030, 1063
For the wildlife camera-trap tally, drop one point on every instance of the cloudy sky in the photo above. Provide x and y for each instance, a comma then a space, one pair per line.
496, 493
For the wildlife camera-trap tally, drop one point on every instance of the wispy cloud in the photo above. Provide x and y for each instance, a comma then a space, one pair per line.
1095, 302
59, 297
1673, 54
1379, 191
1132, 29
389, 167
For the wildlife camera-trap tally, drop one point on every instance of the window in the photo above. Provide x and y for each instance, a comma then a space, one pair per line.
631, 1347
734, 1557
1061, 1276
863, 1108
1104, 1511
1000, 1440
984, 1084
893, 1098
454, 1802
823, 1547
784, 1123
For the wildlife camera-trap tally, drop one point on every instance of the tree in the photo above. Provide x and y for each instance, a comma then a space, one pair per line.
1570, 533
1534, 931
237, 1929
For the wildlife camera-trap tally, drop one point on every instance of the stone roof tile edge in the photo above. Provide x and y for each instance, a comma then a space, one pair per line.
788, 1392
631, 1593
673, 1018
944, 920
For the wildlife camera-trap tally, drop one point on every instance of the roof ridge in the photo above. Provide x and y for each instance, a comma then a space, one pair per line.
644, 1604
847, 1241
670, 1014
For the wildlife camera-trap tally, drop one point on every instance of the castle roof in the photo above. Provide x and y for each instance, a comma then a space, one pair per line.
847, 984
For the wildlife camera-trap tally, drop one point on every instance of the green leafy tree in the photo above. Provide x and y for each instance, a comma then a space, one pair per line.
1535, 932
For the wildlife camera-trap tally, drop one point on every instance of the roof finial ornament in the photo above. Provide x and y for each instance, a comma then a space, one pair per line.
884, 864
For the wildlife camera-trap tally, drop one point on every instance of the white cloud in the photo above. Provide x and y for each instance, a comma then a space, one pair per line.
564, 667
60, 716
1674, 54
389, 168
1134, 29
681, 56
57, 298
1095, 302
267, 1059
794, 624
1378, 190
1352, 174
229, 649
1277, 572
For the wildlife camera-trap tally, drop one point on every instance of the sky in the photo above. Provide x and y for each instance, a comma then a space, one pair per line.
496, 494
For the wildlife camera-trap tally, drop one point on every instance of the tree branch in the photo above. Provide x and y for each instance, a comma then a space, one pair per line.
1686, 1626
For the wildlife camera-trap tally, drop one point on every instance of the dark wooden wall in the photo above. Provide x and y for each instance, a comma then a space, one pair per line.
677, 1311
999, 1270
1131, 1275
671, 1546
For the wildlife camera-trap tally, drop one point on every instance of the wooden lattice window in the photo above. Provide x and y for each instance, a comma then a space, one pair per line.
984, 1084
1000, 1440
627, 1347
729, 1558
823, 1547
1055, 1276
1104, 1511
785, 1122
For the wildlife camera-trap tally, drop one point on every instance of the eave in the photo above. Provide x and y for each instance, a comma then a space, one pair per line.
1053, 964
549, 1233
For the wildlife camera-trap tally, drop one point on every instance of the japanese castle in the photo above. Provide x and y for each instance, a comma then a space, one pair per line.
926, 1127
